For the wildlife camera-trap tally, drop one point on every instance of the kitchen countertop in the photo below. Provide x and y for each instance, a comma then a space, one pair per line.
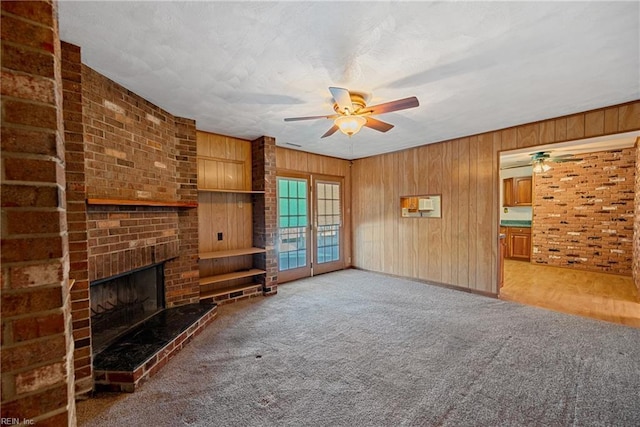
515, 223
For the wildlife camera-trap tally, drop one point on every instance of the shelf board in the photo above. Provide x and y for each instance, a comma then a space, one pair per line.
230, 276
219, 190
228, 290
231, 253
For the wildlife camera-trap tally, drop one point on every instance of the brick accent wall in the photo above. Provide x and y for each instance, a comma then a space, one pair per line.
37, 348
583, 213
77, 215
263, 173
636, 223
135, 151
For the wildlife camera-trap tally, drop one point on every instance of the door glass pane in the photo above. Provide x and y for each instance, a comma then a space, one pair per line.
292, 221
329, 218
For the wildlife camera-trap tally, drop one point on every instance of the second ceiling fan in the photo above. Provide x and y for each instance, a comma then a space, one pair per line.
352, 112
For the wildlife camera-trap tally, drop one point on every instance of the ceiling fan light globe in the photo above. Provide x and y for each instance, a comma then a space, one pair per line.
350, 125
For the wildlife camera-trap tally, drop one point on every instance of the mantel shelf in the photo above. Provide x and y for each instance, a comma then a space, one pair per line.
231, 253
230, 276
127, 202
218, 190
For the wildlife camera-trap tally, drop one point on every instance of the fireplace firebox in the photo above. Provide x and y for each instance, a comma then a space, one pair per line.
121, 302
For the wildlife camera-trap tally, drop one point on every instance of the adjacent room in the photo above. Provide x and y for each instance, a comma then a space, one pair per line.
320, 213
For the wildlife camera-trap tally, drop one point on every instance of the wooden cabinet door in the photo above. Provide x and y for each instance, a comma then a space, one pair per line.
519, 245
507, 192
522, 191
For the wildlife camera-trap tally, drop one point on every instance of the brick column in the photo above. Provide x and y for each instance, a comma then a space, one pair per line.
263, 172
182, 274
37, 343
77, 215
636, 223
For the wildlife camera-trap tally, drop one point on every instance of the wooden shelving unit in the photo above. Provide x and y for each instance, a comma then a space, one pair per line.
227, 270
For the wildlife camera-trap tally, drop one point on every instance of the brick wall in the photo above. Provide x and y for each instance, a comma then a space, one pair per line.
584, 211
263, 173
37, 349
77, 215
135, 151
636, 223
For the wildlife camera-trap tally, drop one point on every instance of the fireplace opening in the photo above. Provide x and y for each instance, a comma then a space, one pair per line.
121, 302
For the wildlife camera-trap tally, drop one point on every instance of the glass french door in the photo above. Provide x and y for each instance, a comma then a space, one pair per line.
308, 247
328, 233
293, 225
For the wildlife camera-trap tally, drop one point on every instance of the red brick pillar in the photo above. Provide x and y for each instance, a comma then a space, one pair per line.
37, 343
182, 273
636, 223
263, 172
77, 215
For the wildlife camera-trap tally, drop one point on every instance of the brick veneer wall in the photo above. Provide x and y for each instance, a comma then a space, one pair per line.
263, 174
37, 349
583, 213
136, 151
636, 224
77, 215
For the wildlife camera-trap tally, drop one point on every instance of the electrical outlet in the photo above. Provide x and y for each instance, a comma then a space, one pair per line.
220, 236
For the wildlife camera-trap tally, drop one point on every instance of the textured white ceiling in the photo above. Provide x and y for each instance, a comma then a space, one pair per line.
240, 68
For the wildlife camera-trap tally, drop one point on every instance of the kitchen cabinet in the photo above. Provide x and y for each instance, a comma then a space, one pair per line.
517, 191
518, 243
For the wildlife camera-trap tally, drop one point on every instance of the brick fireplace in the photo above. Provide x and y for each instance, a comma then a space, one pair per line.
131, 181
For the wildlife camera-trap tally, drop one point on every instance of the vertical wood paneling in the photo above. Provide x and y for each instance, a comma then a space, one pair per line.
454, 212
434, 249
486, 206
473, 217
509, 139
547, 132
527, 135
446, 248
224, 163
463, 238
462, 249
575, 126
391, 206
629, 117
611, 120
594, 123
561, 130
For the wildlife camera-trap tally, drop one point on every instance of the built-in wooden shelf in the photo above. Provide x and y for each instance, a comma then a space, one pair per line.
232, 291
126, 202
231, 253
218, 190
230, 276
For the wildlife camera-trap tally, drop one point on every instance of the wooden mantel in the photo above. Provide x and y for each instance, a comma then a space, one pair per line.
125, 202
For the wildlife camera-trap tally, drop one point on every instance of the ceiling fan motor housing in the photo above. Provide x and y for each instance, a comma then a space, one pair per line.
357, 100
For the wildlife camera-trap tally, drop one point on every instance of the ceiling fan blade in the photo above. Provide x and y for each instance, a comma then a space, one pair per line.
400, 104
330, 132
515, 166
560, 160
342, 98
378, 125
295, 119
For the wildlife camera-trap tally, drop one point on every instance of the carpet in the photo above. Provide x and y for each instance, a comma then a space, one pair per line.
355, 348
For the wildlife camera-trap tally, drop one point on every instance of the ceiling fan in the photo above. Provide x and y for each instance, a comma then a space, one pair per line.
541, 159
352, 112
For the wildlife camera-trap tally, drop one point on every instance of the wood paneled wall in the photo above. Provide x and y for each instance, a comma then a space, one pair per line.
300, 162
223, 162
461, 248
